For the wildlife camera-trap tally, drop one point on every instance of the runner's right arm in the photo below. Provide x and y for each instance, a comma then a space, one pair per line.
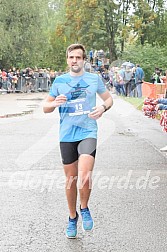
53, 102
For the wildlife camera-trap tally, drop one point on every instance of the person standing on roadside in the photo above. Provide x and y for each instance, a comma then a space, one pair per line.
91, 56
127, 80
74, 93
139, 77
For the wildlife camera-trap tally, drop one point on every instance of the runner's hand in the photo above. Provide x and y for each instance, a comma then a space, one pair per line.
96, 113
59, 100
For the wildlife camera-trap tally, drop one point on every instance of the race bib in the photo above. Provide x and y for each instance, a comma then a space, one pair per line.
78, 107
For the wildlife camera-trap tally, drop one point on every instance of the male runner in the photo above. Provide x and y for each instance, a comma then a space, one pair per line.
74, 93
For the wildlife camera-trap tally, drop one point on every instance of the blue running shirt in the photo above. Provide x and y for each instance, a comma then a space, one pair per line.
80, 91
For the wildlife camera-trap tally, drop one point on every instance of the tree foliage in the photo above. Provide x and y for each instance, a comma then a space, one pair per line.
37, 32
111, 24
23, 34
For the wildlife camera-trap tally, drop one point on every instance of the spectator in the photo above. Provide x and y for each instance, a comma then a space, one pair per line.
139, 77
52, 76
118, 82
155, 78
91, 56
95, 55
127, 80
4, 75
87, 66
162, 104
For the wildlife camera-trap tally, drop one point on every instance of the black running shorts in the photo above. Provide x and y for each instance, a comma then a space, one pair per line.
70, 151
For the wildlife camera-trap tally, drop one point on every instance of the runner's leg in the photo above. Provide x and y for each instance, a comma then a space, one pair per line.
85, 168
71, 173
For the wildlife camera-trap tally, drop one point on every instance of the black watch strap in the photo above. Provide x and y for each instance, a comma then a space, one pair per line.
105, 108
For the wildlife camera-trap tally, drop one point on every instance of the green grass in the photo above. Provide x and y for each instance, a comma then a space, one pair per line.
136, 102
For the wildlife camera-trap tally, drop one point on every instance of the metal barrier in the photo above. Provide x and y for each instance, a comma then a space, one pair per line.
26, 84
5, 85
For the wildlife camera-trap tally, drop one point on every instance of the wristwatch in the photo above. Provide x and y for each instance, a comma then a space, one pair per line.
105, 108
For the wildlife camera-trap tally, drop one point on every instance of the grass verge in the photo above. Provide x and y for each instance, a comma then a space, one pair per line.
136, 102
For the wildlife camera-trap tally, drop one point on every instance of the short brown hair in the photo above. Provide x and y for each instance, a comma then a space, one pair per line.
74, 47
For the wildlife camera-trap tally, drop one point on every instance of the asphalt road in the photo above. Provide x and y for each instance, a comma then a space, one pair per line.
128, 200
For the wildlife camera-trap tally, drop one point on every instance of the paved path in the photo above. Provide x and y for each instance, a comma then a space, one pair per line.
128, 201
19, 104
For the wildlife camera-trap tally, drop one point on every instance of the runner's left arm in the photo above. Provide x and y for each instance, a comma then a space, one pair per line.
107, 104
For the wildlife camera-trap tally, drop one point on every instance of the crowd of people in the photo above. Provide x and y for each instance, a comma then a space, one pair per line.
126, 80
14, 79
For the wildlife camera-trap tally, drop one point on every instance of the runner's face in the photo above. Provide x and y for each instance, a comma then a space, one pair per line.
75, 61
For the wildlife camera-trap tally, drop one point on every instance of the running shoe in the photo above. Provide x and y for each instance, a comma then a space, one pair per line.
164, 149
71, 231
87, 221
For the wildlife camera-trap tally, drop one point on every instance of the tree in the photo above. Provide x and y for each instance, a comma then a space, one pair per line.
37, 32
24, 39
147, 17
112, 24
94, 24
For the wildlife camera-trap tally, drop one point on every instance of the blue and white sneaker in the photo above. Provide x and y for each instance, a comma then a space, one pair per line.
87, 221
71, 231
